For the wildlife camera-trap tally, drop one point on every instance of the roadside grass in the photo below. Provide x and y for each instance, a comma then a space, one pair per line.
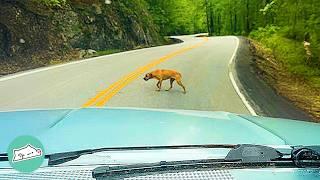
106, 52
291, 54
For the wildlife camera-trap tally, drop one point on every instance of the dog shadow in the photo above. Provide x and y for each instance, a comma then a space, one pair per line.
172, 91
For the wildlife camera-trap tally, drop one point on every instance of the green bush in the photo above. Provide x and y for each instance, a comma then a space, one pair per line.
262, 33
52, 3
289, 52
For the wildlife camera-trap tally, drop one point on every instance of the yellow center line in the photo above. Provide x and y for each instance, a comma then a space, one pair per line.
114, 88
103, 92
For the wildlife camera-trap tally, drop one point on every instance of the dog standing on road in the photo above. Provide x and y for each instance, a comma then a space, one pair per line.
162, 74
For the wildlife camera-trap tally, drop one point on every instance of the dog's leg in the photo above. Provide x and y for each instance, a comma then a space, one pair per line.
171, 82
180, 83
160, 83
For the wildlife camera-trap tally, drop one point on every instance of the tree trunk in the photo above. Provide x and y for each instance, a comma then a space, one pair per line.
212, 22
247, 26
207, 17
219, 23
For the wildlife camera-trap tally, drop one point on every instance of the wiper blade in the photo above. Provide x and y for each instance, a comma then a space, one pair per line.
241, 156
59, 158
114, 172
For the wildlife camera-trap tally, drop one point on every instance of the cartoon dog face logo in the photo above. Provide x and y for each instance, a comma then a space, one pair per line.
25, 153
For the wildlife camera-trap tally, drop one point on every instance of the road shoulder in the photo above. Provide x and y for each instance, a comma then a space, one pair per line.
262, 97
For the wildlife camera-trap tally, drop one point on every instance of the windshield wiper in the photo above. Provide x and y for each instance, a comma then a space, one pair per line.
114, 172
242, 156
301, 156
60, 158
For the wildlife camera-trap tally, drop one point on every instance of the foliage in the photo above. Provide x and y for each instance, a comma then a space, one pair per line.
289, 52
269, 7
262, 33
178, 16
52, 3
106, 52
281, 25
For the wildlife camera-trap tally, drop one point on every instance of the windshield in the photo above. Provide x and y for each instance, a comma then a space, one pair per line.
81, 75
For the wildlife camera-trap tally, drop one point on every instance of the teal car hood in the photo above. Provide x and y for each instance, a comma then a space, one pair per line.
77, 129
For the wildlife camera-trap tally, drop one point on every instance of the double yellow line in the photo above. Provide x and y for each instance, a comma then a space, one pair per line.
105, 95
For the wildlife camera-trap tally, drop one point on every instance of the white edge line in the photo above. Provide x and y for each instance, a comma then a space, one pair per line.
41, 69
234, 84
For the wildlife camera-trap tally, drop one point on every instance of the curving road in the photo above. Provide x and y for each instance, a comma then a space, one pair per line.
116, 80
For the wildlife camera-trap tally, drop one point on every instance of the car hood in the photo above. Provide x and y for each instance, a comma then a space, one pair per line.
66, 130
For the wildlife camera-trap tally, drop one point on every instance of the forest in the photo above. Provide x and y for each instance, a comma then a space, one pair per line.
298, 19
280, 25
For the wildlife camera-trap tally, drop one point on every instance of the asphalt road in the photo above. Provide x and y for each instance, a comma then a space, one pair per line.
116, 80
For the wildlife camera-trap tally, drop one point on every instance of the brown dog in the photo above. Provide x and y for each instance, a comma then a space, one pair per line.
162, 74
